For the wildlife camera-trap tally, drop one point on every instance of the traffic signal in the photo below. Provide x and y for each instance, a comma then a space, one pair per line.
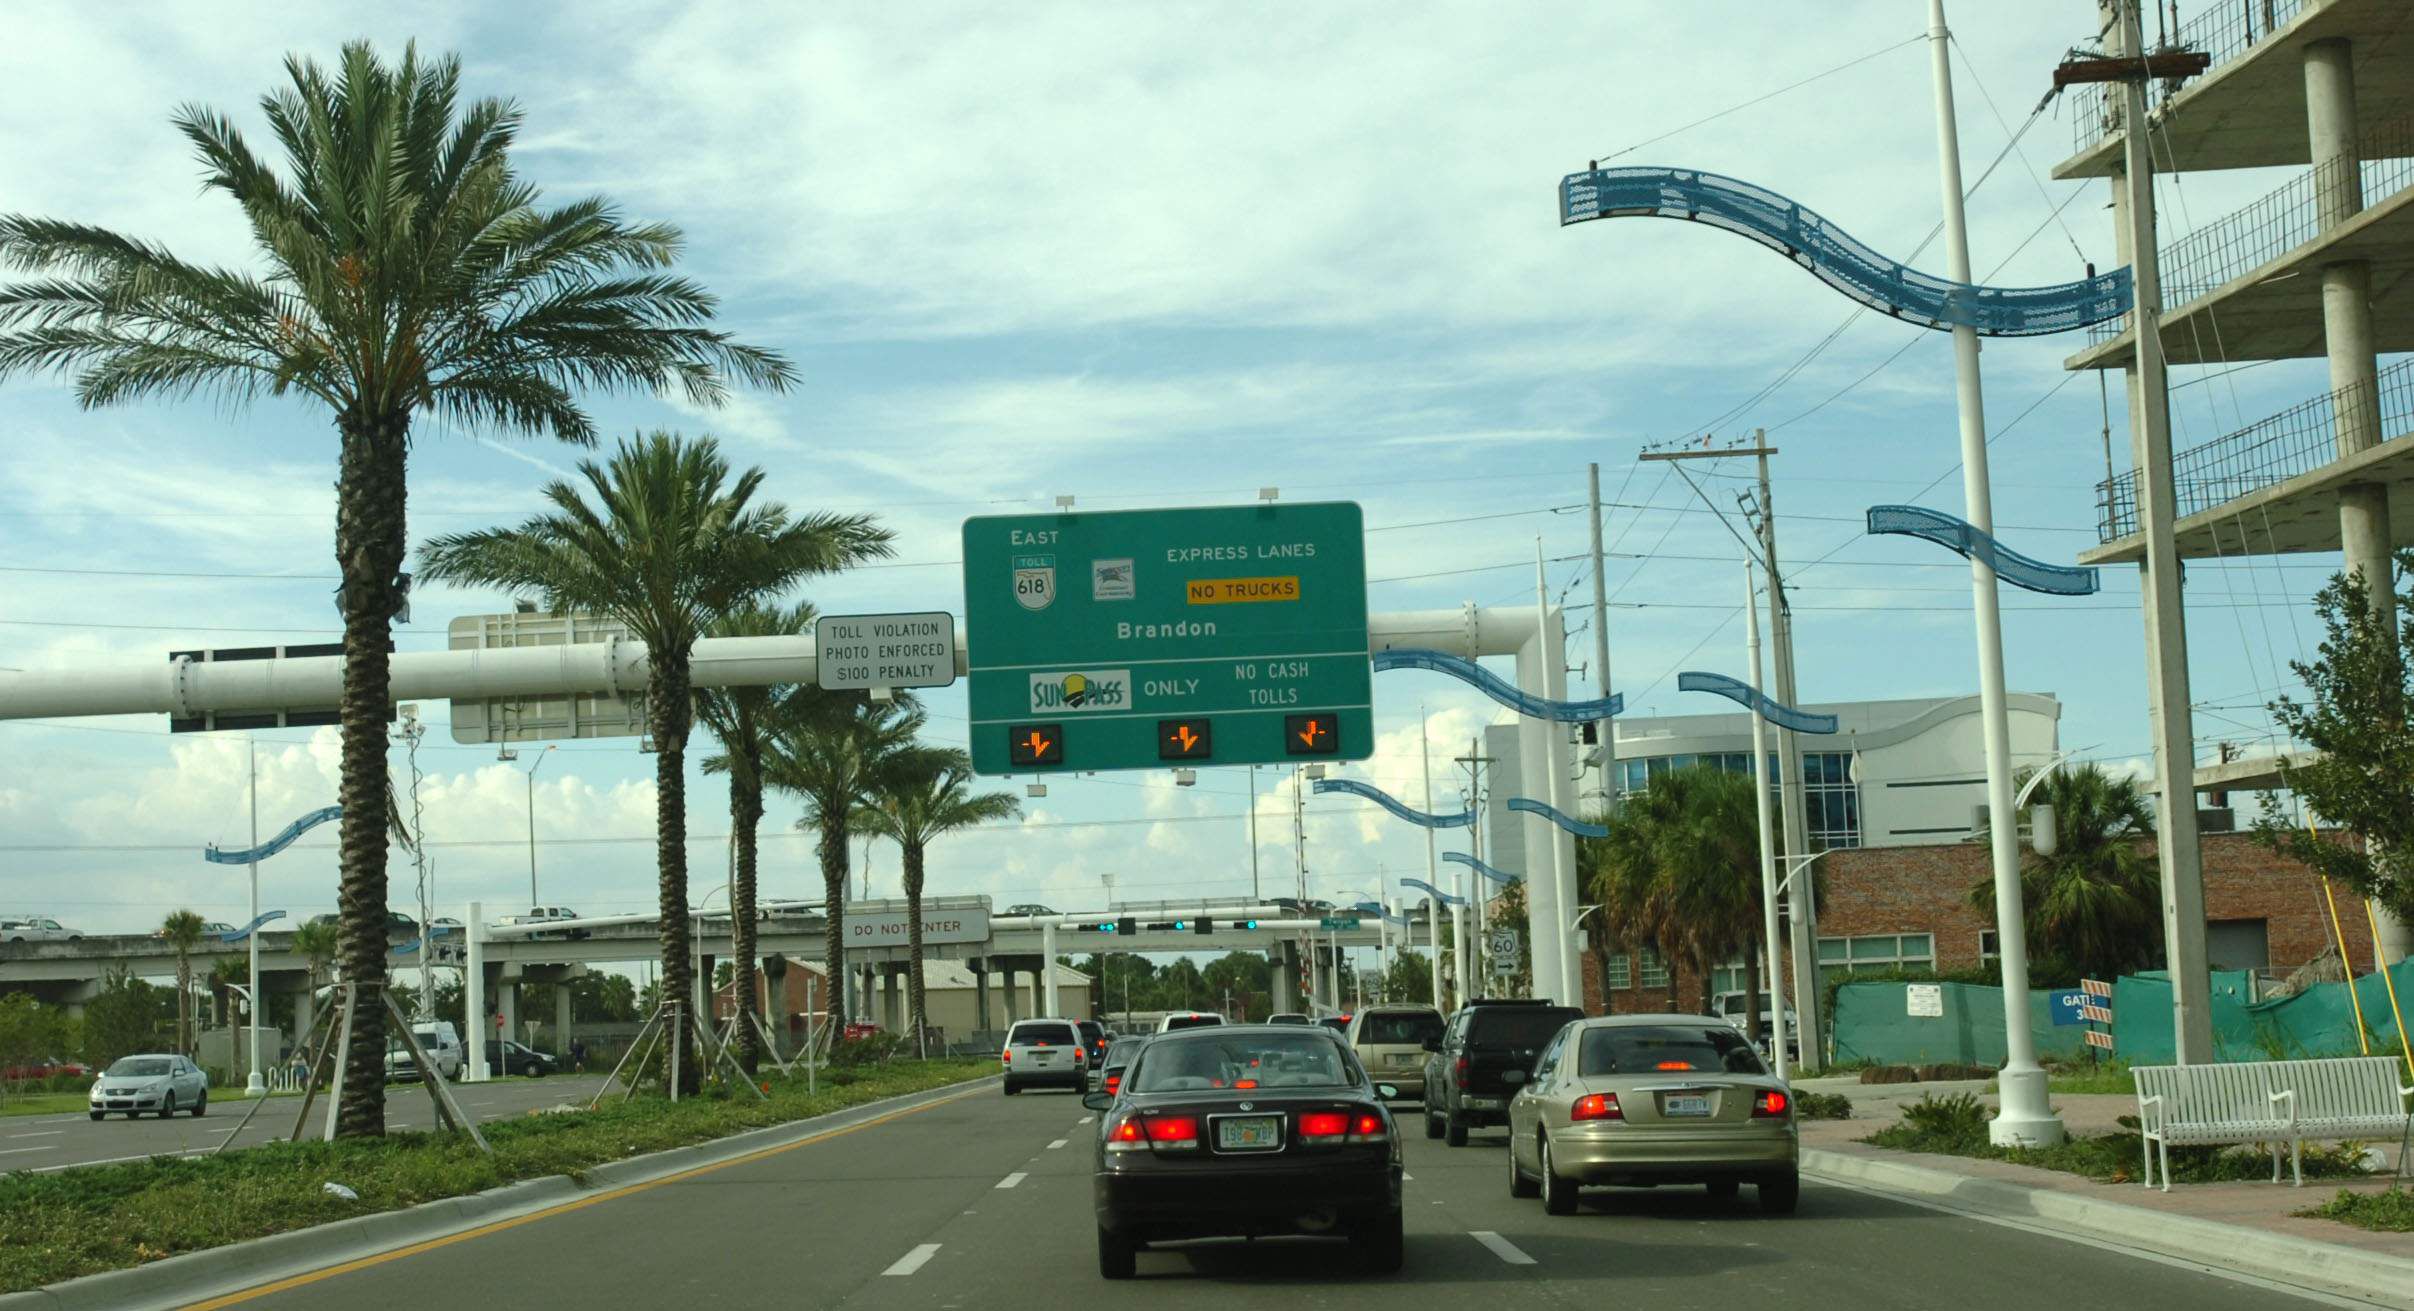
1248, 924
1318, 734
1129, 924
1185, 739
1202, 925
1035, 744
1179, 925
1104, 926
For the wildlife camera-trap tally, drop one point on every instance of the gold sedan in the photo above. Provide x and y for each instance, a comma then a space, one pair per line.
1652, 1099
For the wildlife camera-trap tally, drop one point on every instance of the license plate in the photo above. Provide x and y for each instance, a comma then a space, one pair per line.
1483, 1103
1688, 1105
1248, 1133
1406, 1058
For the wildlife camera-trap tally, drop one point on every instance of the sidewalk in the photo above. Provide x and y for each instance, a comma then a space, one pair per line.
2325, 1250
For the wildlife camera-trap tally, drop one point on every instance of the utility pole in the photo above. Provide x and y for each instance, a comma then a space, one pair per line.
254, 1083
1768, 862
1608, 752
1475, 760
1804, 922
1434, 908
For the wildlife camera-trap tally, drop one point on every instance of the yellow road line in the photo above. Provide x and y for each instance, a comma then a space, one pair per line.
363, 1263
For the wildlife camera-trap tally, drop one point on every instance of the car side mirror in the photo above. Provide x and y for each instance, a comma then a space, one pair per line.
1433, 1044
1389, 1092
1512, 1077
1097, 1101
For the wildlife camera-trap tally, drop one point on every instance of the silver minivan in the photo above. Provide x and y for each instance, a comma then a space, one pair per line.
1043, 1053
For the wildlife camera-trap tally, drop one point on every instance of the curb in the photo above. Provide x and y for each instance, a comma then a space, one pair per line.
195, 1276
2382, 1279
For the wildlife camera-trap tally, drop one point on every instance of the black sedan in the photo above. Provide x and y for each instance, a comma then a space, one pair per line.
1242, 1131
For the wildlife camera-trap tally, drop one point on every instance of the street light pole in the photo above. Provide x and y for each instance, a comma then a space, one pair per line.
533, 767
254, 1084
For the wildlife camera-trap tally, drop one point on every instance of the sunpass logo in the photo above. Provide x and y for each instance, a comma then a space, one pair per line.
1086, 689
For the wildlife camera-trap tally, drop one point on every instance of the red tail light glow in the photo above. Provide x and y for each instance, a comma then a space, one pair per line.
1368, 1128
1244, 1083
1006, 1056
1596, 1106
1114, 1082
1770, 1104
1323, 1126
1674, 1065
1127, 1136
1173, 1133
1461, 1071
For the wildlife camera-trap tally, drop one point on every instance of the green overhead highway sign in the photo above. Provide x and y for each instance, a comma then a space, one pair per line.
1135, 639
1338, 923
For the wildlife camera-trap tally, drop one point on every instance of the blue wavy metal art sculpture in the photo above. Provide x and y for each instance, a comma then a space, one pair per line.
1965, 537
1551, 813
276, 844
238, 935
1384, 799
1462, 858
1500, 689
1431, 891
1741, 693
1838, 260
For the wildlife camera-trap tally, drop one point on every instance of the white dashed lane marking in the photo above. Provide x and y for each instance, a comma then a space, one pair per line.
1011, 1180
46, 1133
12, 1151
913, 1260
1058, 1143
1501, 1247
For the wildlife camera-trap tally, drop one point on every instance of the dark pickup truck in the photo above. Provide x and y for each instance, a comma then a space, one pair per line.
1468, 1071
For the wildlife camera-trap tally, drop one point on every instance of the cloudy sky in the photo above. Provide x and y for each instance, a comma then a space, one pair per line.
1144, 255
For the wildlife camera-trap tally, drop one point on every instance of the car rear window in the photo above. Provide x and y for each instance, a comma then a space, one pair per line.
1180, 1022
1667, 1049
1244, 1059
1519, 1026
1405, 1029
1122, 1050
1030, 1034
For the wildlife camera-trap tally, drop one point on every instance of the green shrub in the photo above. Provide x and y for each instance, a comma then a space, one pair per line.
1957, 1126
2389, 1212
1822, 1106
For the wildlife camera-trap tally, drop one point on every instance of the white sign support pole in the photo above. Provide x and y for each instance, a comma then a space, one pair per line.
1047, 963
255, 1083
473, 991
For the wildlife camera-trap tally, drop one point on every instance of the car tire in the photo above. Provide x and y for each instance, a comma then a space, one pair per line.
1433, 1124
167, 1107
99, 1115
1519, 1185
1779, 1196
1558, 1195
1724, 1190
1381, 1246
1011, 1089
1454, 1131
202, 1107
1117, 1257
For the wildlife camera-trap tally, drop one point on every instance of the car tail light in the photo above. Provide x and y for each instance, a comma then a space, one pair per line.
1770, 1104
1114, 1082
1673, 1066
1596, 1106
1244, 1083
1369, 1128
1323, 1128
1127, 1136
1461, 1071
1006, 1056
1173, 1133
1081, 1056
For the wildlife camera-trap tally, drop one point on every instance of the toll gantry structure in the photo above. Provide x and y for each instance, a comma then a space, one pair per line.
2321, 267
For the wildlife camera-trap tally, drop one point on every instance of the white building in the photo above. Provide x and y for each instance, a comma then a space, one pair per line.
1895, 773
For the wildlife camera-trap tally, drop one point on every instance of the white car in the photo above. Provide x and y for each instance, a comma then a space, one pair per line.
1045, 1052
1188, 1020
35, 928
161, 1083
1729, 1006
439, 1040
548, 915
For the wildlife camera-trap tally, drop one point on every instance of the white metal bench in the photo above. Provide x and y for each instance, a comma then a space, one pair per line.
2270, 1102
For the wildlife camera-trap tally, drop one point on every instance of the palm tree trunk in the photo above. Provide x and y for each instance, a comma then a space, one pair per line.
370, 539
184, 1002
913, 934
670, 713
834, 916
745, 812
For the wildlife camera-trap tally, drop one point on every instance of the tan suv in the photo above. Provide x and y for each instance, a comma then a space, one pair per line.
1391, 1045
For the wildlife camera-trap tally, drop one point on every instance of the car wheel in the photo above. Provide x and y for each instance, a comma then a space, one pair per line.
1454, 1131
1558, 1195
1779, 1196
1117, 1258
1011, 1089
167, 1107
202, 1107
99, 1115
1433, 1124
1519, 1185
1381, 1245
1724, 1190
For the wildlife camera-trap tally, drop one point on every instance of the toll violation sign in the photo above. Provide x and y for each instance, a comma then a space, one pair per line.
1228, 635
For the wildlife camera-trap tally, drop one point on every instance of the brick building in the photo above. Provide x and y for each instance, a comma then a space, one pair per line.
1908, 906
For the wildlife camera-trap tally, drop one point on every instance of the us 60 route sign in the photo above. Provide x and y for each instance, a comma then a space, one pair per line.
1230, 635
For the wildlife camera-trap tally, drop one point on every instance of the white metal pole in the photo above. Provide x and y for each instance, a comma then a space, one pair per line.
1047, 963
1608, 745
473, 991
254, 1083
1760, 802
1433, 874
1546, 927
1254, 894
2026, 1119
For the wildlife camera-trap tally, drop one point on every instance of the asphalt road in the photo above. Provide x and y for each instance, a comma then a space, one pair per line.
976, 1200
63, 1142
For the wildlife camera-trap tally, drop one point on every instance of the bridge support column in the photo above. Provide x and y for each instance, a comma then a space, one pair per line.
561, 1017
980, 994
1286, 976
1013, 1003
511, 1010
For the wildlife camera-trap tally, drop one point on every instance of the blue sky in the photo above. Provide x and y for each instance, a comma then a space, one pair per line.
1142, 255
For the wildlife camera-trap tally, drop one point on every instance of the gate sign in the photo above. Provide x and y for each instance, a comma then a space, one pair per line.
1227, 635
855, 652
2069, 1005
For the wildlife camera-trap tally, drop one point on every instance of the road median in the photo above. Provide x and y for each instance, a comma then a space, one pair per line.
165, 1229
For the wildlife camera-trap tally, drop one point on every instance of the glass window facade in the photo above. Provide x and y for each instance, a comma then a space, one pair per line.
1620, 971
1869, 955
1655, 970
1831, 800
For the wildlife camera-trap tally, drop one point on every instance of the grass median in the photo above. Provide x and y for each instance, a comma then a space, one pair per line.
107, 1217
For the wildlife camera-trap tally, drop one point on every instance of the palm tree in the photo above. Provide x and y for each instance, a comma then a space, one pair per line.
670, 545
927, 795
835, 750
2096, 902
1680, 871
182, 929
316, 943
741, 718
403, 268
